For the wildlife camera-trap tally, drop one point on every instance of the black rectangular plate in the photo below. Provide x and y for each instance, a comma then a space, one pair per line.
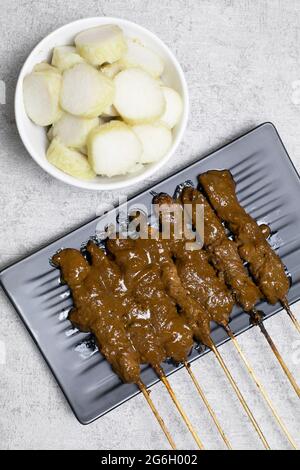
268, 187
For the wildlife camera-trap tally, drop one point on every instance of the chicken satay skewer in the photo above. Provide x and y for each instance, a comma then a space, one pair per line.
226, 259
210, 217
87, 315
190, 309
253, 248
143, 279
209, 283
201, 327
264, 264
140, 331
215, 233
175, 293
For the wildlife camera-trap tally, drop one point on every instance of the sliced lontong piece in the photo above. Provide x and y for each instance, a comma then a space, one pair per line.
164, 204
139, 264
97, 311
214, 232
265, 265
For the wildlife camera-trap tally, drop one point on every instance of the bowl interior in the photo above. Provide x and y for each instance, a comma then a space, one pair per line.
34, 137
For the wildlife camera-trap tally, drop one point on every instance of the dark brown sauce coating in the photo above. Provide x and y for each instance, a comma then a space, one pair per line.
130, 303
197, 276
96, 309
134, 316
200, 279
265, 230
140, 262
264, 264
193, 312
223, 252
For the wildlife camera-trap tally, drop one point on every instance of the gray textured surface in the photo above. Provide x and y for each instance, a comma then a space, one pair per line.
241, 59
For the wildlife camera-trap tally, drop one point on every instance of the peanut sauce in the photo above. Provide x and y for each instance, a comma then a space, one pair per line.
264, 264
196, 274
98, 310
140, 262
145, 299
223, 253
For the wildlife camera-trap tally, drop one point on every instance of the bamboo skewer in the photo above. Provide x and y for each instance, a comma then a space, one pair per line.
260, 387
290, 314
171, 392
240, 396
146, 394
279, 358
209, 408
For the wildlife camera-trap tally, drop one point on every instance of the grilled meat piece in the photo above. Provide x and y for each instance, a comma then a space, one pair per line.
197, 275
134, 316
264, 264
223, 253
98, 311
140, 264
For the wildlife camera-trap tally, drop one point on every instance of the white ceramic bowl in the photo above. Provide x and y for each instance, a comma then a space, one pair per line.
34, 137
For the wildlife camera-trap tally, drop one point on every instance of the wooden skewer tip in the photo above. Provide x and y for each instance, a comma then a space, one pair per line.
161, 422
172, 394
260, 388
279, 358
288, 310
209, 408
240, 397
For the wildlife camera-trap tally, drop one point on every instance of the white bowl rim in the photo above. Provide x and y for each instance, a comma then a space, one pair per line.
46, 166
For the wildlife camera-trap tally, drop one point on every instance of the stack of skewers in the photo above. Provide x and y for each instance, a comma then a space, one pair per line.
147, 299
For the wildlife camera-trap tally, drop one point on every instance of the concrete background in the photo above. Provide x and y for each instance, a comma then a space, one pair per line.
241, 60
